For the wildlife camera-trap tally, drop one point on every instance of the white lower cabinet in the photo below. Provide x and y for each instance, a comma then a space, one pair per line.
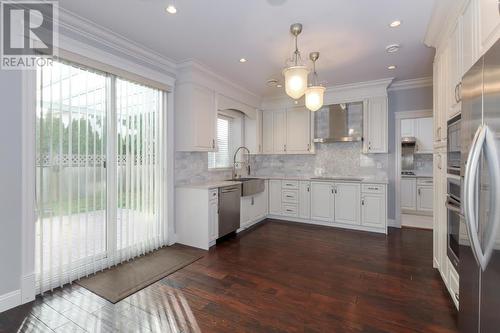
373, 206
275, 197
305, 199
254, 208
213, 215
408, 193
322, 201
424, 199
347, 203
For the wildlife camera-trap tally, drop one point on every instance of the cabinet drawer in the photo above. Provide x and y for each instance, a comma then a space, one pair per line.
425, 181
213, 194
290, 196
290, 184
290, 209
373, 188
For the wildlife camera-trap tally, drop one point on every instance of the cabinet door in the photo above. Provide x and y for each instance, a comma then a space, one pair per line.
408, 193
298, 137
469, 36
214, 219
261, 204
246, 210
275, 197
267, 132
305, 200
455, 68
375, 122
373, 212
279, 131
347, 203
489, 23
253, 133
424, 135
407, 127
322, 206
424, 199
205, 117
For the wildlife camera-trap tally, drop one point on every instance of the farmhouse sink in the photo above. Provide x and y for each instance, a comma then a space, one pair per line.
251, 186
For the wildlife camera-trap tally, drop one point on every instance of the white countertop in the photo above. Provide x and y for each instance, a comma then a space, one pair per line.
210, 185
418, 175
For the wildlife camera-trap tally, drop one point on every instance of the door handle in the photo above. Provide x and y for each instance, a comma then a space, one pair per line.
482, 139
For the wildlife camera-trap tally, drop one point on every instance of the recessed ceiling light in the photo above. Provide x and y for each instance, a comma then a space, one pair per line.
391, 67
242, 60
171, 9
392, 48
395, 24
279, 86
295, 102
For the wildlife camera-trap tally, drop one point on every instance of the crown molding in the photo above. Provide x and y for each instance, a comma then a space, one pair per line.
444, 16
411, 84
89, 30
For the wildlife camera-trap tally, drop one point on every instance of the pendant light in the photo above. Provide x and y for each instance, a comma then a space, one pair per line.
315, 93
296, 75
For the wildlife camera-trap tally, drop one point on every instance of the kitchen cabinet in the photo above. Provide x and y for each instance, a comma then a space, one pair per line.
195, 118
254, 208
408, 128
213, 214
298, 135
423, 128
408, 193
287, 131
322, 201
267, 132
375, 120
275, 197
279, 132
373, 206
424, 198
470, 38
489, 20
455, 69
346, 202
253, 133
305, 199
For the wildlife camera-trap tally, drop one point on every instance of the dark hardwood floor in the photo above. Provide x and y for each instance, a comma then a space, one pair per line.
276, 277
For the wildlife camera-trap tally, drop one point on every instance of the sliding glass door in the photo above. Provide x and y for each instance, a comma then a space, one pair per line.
99, 141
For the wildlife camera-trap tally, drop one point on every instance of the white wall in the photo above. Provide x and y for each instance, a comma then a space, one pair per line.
402, 100
10, 181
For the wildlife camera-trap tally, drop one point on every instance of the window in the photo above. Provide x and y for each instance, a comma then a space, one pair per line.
222, 158
99, 154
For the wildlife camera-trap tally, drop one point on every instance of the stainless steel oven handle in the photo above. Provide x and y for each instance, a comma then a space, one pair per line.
453, 208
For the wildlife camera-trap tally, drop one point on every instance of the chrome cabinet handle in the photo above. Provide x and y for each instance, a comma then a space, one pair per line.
308, 189
363, 202
457, 297
419, 192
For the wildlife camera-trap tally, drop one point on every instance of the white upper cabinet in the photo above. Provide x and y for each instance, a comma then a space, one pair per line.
195, 118
455, 69
267, 132
375, 125
287, 132
407, 128
279, 132
253, 133
347, 199
469, 36
489, 23
298, 135
423, 127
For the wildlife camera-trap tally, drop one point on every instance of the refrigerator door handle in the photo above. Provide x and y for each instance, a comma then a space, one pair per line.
483, 139
469, 193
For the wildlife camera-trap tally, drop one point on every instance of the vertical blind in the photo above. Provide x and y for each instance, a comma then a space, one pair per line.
74, 235
222, 158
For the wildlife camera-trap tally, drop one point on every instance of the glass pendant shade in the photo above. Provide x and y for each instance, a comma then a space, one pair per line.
295, 81
314, 97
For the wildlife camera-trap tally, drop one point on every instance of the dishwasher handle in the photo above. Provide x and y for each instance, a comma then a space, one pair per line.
229, 189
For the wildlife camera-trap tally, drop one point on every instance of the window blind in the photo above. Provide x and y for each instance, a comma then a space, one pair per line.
222, 158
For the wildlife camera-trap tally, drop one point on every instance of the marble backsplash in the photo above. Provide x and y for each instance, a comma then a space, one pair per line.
331, 159
423, 163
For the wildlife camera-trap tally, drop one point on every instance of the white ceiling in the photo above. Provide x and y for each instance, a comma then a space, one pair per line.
350, 34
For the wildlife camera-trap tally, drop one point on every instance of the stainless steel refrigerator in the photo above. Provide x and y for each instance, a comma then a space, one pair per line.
479, 265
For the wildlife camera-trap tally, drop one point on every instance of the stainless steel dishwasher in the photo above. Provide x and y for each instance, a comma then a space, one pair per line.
229, 209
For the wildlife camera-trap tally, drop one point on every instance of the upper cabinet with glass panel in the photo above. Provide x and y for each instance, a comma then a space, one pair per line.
339, 123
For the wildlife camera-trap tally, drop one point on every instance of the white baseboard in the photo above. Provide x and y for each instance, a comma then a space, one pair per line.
328, 224
28, 288
172, 240
10, 300
393, 223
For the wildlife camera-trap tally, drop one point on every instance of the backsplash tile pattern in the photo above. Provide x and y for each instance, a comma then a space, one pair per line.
423, 163
331, 159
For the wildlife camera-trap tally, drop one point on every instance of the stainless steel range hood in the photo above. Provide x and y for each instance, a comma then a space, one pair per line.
339, 123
